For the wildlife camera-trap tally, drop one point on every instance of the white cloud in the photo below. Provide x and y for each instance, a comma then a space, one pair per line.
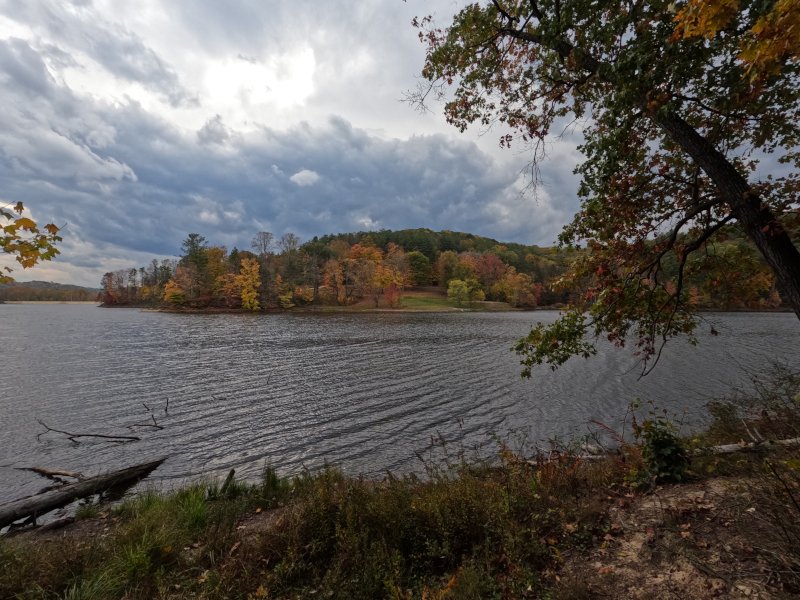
246, 88
209, 217
304, 178
367, 223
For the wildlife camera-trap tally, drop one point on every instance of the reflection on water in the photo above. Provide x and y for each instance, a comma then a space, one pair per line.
364, 391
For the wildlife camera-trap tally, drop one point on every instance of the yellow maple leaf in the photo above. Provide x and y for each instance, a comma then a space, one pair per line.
25, 223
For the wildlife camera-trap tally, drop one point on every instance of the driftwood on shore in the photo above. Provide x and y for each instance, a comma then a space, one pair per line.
744, 446
39, 504
595, 452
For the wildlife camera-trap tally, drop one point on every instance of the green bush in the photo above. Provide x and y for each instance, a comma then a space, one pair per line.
665, 457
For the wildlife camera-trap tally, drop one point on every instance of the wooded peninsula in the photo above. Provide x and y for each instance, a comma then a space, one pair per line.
379, 269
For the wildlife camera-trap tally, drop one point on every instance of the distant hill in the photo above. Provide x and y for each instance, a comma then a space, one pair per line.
46, 291
525, 258
430, 242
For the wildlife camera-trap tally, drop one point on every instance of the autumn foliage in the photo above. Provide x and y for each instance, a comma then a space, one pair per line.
373, 270
369, 268
22, 238
769, 41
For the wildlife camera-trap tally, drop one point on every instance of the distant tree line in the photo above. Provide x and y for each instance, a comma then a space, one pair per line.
376, 267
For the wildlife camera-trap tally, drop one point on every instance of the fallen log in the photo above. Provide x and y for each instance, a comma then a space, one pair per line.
39, 504
744, 446
591, 452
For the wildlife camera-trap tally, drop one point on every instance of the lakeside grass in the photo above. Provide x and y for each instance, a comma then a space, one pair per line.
476, 532
520, 527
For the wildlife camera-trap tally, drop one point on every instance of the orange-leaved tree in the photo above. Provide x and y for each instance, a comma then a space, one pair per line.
22, 238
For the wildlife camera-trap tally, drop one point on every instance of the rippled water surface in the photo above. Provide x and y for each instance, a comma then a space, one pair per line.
364, 391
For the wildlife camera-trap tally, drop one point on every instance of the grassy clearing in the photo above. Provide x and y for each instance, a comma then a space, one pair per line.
409, 302
426, 302
418, 300
515, 529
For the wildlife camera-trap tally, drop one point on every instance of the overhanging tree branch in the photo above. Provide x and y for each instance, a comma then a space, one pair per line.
662, 110
758, 222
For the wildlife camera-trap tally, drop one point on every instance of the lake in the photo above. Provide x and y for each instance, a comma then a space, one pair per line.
368, 392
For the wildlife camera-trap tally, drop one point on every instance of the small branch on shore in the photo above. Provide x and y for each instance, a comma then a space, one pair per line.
756, 438
57, 524
122, 439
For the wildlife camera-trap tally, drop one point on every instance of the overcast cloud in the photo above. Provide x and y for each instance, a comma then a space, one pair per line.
135, 124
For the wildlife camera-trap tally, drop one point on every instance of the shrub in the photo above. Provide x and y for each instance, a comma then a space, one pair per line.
665, 457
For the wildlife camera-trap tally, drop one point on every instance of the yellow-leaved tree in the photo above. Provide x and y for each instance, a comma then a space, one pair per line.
174, 293
249, 281
22, 238
771, 38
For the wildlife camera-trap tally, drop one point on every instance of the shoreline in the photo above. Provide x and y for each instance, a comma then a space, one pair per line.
50, 302
359, 309
343, 309
329, 309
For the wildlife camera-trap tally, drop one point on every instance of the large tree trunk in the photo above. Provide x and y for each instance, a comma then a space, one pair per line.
757, 221
39, 504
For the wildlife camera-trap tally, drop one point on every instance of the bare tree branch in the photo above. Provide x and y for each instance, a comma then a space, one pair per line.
74, 436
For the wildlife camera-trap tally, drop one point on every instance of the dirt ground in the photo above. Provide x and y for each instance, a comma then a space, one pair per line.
711, 539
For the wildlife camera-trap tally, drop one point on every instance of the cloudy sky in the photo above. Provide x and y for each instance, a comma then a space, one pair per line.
135, 123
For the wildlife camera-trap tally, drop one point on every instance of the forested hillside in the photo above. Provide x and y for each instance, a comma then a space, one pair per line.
44, 291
